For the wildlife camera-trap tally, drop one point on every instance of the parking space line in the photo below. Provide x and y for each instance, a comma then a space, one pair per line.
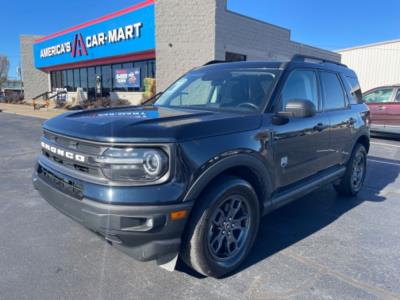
386, 145
384, 162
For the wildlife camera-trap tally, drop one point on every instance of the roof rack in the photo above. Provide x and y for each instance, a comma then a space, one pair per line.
213, 62
313, 59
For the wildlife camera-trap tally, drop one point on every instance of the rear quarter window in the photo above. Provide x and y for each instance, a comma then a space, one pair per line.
353, 89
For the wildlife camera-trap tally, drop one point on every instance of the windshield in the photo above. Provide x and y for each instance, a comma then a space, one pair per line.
237, 89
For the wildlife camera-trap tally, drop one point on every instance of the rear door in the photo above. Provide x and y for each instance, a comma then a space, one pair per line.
341, 118
392, 117
378, 101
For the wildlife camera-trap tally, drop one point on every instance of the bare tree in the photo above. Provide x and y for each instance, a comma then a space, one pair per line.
4, 68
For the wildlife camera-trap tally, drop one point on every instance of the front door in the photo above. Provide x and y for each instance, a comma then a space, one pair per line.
302, 143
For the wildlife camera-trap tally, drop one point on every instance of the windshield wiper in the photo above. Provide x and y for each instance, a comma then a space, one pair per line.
151, 100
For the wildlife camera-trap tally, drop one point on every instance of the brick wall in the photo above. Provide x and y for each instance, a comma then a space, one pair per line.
185, 37
35, 81
190, 33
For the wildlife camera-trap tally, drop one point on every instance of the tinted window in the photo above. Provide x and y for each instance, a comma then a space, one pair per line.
301, 84
354, 89
334, 97
379, 96
398, 96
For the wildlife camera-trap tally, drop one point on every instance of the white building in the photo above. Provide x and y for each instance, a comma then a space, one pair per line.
375, 64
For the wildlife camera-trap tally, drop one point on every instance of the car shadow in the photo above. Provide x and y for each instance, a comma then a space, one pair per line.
305, 216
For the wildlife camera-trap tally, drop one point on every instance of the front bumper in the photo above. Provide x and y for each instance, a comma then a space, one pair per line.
143, 232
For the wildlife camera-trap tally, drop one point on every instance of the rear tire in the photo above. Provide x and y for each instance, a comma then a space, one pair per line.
223, 227
356, 170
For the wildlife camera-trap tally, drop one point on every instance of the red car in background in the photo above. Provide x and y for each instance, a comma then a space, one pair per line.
384, 105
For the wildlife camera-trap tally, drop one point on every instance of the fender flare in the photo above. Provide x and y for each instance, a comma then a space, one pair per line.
237, 160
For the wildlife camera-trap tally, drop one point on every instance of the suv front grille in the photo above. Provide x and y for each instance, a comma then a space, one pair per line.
62, 145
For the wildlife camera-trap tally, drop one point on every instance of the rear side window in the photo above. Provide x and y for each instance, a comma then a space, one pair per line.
398, 96
334, 97
379, 96
355, 94
301, 84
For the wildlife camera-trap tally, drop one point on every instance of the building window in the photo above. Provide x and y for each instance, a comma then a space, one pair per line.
91, 73
106, 79
84, 79
70, 81
127, 65
59, 80
77, 79
144, 72
65, 81
53, 80
152, 69
230, 56
114, 70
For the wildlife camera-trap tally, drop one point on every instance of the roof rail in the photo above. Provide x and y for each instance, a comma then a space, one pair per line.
313, 59
213, 62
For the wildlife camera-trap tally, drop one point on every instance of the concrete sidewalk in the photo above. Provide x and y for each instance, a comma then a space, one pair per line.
27, 110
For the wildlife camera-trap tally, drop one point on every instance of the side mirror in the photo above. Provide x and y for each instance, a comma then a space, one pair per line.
295, 108
300, 108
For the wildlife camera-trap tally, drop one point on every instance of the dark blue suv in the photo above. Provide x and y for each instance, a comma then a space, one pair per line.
191, 175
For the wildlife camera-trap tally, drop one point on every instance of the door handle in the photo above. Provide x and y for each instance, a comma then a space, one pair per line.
351, 121
320, 127
381, 107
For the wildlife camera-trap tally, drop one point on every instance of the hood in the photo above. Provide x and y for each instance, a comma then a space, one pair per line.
149, 124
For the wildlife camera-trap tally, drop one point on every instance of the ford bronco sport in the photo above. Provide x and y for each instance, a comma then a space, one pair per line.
191, 175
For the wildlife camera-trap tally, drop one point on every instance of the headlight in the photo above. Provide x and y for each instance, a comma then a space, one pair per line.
134, 164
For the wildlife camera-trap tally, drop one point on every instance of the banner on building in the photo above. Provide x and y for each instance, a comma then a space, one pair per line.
127, 78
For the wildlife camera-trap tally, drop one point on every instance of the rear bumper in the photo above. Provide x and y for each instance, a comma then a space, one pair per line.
143, 232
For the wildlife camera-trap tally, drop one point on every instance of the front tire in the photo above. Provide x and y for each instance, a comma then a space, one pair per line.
356, 170
223, 227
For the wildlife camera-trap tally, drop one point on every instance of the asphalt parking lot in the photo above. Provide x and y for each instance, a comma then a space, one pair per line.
319, 247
